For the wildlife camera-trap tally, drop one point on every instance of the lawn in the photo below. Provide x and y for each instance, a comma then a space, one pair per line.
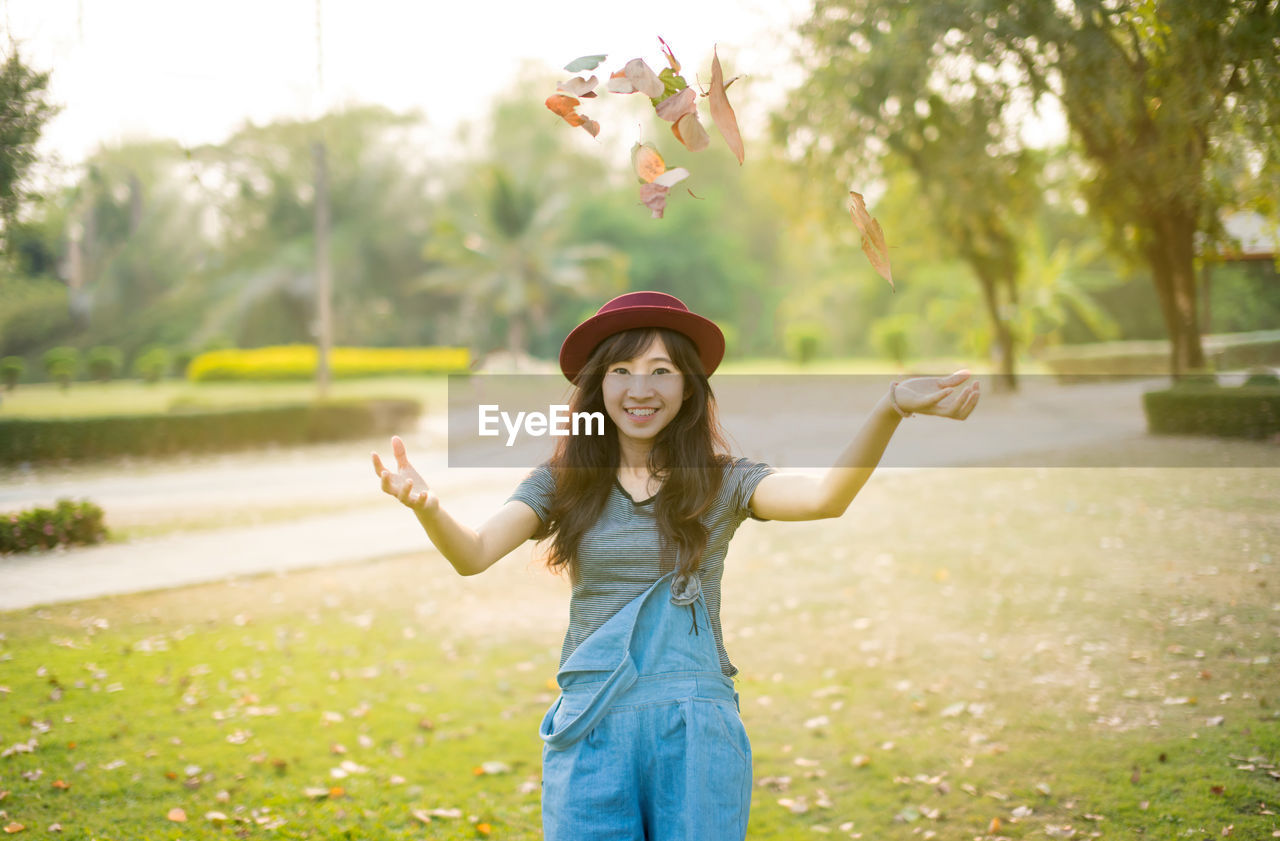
967, 653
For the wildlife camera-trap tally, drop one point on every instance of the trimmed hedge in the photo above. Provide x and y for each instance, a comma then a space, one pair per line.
1204, 409
44, 528
298, 362
1225, 351
77, 439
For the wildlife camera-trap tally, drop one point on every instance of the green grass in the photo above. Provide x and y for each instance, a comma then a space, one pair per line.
86, 399
1058, 639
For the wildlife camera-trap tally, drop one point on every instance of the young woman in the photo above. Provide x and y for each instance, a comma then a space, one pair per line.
645, 740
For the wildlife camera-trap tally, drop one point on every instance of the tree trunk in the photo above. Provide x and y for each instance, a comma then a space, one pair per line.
1173, 268
1006, 379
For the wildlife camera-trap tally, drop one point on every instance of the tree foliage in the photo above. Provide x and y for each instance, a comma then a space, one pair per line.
24, 110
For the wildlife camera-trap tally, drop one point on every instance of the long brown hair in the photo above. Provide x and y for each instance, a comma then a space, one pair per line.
689, 455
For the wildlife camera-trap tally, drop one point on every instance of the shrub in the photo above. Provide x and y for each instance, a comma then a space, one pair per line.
298, 362
44, 528
152, 364
60, 364
78, 439
11, 370
1191, 409
804, 340
104, 363
890, 336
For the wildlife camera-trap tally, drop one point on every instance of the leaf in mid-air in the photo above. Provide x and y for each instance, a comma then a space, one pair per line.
873, 244
654, 197
677, 105
586, 62
672, 83
690, 132
671, 177
565, 107
722, 111
647, 162
636, 77
671, 59
578, 86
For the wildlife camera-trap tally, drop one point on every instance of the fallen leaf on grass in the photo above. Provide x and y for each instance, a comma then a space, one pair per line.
13, 827
216, 818
722, 112
873, 244
994, 827
492, 768
483, 828
177, 815
55, 827
61, 785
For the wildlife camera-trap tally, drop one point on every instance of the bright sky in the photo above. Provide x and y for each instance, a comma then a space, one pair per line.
195, 70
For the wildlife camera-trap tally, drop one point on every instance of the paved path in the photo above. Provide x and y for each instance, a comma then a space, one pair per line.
1040, 416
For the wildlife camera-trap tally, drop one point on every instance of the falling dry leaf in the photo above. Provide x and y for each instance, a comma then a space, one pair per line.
654, 197
677, 105
647, 162
586, 62
177, 815
636, 77
671, 59
873, 244
691, 133
722, 112
578, 86
563, 106
671, 177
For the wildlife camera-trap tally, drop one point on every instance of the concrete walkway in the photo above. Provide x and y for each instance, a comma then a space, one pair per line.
1040, 416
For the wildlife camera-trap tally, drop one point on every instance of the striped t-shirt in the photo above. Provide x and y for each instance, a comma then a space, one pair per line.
619, 556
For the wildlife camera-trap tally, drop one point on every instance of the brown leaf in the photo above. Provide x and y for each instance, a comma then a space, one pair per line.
647, 162
564, 106
654, 197
13, 827
177, 815
677, 105
61, 784
722, 112
691, 133
671, 59
873, 244
636, 77
420, 815
578, 86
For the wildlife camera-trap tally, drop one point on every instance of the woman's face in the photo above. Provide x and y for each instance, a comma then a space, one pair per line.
643, 395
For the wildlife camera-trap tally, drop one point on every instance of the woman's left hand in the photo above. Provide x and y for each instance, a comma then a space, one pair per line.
941, 396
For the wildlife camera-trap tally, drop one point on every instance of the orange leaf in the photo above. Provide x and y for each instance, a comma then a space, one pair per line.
177, 815
873, 244
690, 132
483, 828
647, 162
994, 827
677, 105
722, 112
61, 784
336, 792
564, 106
13, 827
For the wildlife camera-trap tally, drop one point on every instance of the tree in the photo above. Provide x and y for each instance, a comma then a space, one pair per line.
24, 110
1154, 92
864, 99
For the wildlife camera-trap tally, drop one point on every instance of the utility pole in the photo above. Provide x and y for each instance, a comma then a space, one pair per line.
324, 317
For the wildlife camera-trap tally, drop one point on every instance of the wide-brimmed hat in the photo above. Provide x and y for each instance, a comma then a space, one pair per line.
641, 309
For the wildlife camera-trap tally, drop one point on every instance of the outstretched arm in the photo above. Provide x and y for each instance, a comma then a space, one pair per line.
795, 496
471, 551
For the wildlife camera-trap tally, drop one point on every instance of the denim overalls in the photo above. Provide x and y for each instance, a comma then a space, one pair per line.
645, 742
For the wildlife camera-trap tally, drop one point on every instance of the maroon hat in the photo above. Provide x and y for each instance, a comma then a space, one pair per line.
641, 309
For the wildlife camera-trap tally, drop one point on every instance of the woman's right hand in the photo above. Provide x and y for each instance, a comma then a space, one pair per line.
405, 484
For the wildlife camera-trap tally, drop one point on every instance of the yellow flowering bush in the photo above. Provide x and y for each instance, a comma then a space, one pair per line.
298, 362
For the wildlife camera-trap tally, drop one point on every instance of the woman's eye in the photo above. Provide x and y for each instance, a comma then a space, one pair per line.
661, 371
618, 370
